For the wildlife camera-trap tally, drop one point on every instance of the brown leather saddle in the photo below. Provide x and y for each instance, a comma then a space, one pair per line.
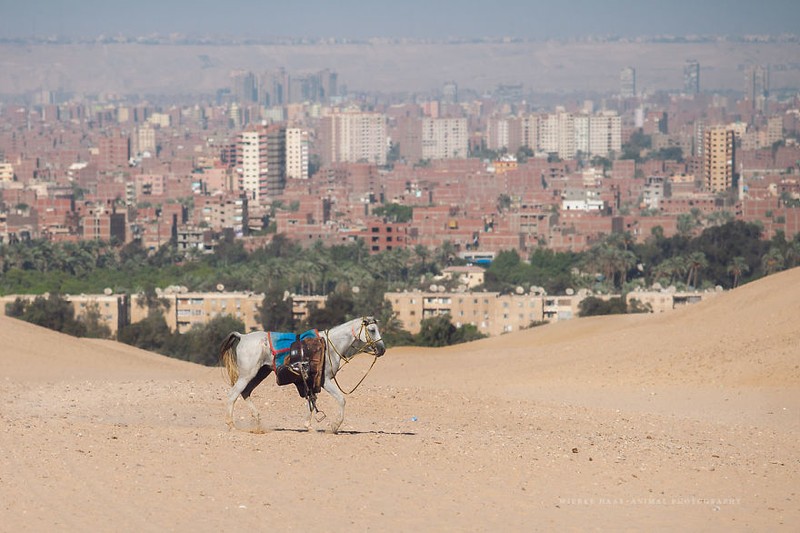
303, 365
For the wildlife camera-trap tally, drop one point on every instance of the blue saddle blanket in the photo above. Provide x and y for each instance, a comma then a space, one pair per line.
279, 343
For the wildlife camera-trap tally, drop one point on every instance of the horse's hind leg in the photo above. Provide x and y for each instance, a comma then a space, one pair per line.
333, 390
233, 395
263, 372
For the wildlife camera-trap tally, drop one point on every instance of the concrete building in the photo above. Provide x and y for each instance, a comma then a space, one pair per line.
719, 161
104, 224
756, 86
627, 82
296, 153
469, 275
497, 133
276, 160
143, 141
662, 301
6, 172
251, 163
431, 138
691, 77
445, 138
186, 309
490, 312
113, 151
111, 309
380, 235
352, 136
223, 212
605, 134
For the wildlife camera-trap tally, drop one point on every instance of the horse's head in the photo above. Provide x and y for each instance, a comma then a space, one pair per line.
370, 335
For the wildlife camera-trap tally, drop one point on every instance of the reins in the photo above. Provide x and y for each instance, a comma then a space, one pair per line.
369, 343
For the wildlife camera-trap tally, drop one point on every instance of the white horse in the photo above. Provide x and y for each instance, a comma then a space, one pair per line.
248, 360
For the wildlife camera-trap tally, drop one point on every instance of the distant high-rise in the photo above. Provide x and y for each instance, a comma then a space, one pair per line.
251, 162
143, 139
756, 88
719, 161
627, 82
276, 159
296, 153
353, 136
314, 87
605, 134
245, 87
691, 77
450, 93
444, 138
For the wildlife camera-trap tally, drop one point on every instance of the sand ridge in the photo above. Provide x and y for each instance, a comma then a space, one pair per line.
682, 420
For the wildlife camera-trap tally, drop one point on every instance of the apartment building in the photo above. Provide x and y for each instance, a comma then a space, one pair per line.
491, 312
719, 162
223, 212
251, 163
431, 139
296, 153
627, 82
186, 309
6, 172
112, 309
691, 76
353, 136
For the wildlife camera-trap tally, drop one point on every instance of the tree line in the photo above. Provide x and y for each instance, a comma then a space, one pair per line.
355, 281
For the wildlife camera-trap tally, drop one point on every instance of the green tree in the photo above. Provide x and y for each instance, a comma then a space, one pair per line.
54, 312
772, 262
93, 323
686, 224
436, 331
394, 212
199, 345
275, 311
695, 263
150, 334
339, 308
737, 269
593, 306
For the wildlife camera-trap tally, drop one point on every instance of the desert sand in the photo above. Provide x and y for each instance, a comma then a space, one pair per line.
688, 420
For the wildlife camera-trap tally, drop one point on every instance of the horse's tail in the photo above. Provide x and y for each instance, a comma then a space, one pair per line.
227, 356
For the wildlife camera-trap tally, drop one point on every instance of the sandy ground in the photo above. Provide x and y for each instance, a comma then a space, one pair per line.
689, 420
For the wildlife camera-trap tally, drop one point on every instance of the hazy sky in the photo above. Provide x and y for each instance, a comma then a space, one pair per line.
396, 18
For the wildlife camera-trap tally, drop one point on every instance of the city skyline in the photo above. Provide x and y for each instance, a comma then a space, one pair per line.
414, 19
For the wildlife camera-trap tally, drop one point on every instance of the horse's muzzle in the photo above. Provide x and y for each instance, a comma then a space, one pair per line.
378, 349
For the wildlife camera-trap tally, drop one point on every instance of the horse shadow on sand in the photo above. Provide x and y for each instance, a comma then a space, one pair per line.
340, 432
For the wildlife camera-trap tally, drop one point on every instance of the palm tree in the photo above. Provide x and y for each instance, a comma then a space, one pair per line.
423, 254
625, 261
792, 256
719, 218
772, 262
686, 224
738, 267
695, 262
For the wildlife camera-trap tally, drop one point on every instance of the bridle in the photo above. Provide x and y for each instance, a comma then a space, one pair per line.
370, 346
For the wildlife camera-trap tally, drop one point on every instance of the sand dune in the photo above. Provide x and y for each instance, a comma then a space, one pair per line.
682, 420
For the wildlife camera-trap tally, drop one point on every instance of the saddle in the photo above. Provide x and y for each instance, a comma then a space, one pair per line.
303, 364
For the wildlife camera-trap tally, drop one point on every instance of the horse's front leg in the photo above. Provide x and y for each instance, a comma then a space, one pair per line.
334, 391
